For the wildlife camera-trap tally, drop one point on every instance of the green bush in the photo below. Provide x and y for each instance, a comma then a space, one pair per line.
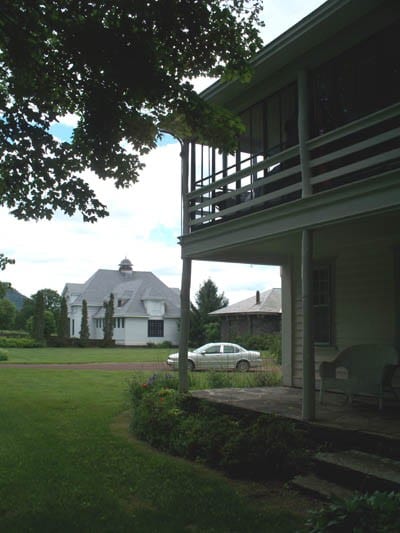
218, 380
271, 378
75, 342
13, 333
181, 425
268, 341
366, 513
3, 355
163, 344
270, 447
13, 342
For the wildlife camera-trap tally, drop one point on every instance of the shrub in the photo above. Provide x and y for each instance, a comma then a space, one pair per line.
165, 344
3, 355
270, 447
369, 513
75, 342
272, 378
12, 342
268, 341
14, 334
218, 380
242, 446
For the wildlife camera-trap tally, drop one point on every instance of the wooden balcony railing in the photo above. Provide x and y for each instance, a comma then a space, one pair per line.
359, 150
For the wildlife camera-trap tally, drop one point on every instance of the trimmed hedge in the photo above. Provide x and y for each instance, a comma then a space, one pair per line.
74, 342
3, 355
14, 342
13, 334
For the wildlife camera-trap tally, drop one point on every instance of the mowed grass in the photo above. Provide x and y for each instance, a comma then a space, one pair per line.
88, 355
67, 463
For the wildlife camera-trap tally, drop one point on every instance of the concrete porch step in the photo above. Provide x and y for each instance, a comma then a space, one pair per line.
322, 488
358, 470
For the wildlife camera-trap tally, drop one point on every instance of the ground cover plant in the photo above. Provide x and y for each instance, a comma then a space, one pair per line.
261, 447
68, 464
366, 513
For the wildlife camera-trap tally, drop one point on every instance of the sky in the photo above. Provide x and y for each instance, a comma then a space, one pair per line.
144, 222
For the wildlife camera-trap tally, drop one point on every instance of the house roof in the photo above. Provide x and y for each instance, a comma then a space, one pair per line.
269, 302
130, 289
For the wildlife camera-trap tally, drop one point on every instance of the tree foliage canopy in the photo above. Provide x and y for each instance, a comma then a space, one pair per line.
123, 68
204, 328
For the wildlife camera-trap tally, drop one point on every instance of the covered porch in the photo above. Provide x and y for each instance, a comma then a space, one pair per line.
360, 420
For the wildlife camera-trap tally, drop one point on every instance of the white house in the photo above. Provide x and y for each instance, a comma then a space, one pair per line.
145, 309
314, 185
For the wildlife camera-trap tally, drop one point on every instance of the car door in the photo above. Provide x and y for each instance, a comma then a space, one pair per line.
229, 358
211, 357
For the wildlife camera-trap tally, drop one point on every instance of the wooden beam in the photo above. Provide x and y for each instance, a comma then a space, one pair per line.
186, 276
308, 340
303, 126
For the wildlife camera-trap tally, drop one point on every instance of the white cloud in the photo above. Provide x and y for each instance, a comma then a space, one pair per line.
69, 119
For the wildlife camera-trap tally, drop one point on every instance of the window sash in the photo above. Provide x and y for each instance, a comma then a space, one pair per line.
155, 328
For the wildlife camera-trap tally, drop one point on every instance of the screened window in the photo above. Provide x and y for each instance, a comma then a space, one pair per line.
155, 328
357, 82
281, 120
323, 304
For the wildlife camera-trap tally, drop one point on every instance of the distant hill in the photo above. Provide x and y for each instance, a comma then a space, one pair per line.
16, 298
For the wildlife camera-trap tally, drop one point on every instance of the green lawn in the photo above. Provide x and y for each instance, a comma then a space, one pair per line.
68, 464
87, 355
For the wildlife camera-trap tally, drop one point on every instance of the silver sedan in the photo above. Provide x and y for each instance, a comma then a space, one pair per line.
219, 356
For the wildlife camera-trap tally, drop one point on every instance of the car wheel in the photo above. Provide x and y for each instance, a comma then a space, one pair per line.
242, 366
190, 365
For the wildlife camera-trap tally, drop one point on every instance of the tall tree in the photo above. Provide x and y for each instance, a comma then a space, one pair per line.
108, 328
204, 328
52, 303
63, 323
3, 288
124, 69
49, 324
27, 312
84, 332
8, 313
38, 318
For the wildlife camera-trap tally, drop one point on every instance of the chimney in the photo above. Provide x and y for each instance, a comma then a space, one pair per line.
258, 297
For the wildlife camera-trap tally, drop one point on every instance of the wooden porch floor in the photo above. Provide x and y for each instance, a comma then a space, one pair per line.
362, 417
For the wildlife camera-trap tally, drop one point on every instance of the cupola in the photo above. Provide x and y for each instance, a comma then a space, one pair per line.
125, 265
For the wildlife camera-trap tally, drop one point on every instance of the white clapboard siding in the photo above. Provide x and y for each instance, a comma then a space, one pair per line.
364, 299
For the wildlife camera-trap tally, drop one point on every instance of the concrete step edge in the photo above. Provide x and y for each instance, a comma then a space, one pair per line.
320, 487
363, 463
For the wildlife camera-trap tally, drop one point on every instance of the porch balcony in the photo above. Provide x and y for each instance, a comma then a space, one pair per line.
365, 152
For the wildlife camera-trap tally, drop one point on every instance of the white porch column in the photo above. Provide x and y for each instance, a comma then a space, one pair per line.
308, 340
185, 324
186, 276
287, 323
303, 128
